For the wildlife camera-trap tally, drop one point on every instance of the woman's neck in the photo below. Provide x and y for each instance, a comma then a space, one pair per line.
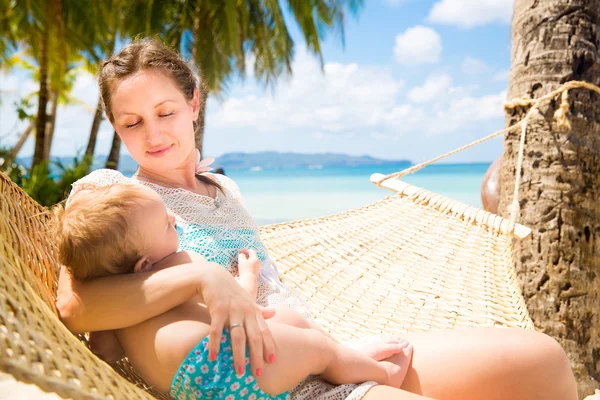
184, 177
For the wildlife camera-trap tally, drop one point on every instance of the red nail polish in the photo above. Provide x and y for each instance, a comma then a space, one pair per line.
212, 356
240, 370
259, 372
272, 358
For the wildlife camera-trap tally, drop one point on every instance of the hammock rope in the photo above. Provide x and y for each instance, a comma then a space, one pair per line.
561, 117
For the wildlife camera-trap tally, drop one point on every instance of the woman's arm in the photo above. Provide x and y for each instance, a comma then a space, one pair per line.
119, 301
116, 302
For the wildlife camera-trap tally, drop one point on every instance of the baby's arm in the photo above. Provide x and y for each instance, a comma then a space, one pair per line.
249, 267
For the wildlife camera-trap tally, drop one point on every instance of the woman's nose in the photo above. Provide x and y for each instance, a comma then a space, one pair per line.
153, 133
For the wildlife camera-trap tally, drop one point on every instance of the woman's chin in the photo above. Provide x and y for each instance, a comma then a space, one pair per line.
162, 166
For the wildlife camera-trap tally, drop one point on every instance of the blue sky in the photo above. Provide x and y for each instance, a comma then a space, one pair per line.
415, 79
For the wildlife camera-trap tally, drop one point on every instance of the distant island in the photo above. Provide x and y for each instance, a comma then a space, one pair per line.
267, 160
276, 160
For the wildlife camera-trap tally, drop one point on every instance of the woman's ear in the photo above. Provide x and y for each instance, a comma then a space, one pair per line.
196, 104
142, 265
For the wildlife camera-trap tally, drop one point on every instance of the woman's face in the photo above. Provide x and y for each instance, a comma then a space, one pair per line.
155, 120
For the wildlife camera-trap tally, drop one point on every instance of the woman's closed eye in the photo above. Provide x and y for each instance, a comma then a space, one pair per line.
129, 126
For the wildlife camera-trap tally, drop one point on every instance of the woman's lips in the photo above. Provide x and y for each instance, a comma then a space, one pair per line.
159, 151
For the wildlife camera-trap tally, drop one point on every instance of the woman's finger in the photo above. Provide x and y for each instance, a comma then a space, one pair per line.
268, 343
217, 321
238, 344
255, 344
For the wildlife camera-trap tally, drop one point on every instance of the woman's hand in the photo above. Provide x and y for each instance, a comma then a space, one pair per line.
230, 305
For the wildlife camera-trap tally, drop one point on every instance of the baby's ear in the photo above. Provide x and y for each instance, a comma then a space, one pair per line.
142, 265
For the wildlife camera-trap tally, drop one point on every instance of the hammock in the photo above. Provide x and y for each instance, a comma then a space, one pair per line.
412, 262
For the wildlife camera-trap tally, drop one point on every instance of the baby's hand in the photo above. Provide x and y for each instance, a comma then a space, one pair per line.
248, 262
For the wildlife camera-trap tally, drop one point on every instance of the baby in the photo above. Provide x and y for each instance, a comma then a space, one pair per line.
122, 229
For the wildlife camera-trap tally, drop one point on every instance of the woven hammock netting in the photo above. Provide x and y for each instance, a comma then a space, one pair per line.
413, 262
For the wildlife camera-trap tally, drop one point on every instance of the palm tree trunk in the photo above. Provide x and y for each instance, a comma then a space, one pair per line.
50, 125
199, 133
554, 41
91, 146
40, 130
199, 128
112, 161
19, 145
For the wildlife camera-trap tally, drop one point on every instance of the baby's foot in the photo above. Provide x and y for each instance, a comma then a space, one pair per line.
385, 349
397, 370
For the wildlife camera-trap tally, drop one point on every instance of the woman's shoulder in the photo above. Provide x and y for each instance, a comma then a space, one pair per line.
226, 183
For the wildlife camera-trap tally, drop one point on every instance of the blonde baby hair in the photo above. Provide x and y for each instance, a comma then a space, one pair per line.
94, 234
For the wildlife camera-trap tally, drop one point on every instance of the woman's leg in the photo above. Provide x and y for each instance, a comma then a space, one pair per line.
469, 364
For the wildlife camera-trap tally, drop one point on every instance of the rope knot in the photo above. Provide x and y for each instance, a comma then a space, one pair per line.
562, 112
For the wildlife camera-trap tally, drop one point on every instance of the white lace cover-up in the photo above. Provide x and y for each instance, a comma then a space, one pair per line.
217, 229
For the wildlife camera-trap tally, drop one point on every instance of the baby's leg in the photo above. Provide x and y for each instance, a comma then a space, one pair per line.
378, 351
303, 352
289, 316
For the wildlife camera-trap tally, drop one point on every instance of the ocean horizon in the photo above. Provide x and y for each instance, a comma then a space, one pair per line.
281, 195
287, 194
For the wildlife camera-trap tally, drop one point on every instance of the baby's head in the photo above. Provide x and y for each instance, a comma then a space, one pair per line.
113, 230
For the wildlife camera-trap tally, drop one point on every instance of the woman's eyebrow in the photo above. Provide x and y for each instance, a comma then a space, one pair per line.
132, 113
163, 102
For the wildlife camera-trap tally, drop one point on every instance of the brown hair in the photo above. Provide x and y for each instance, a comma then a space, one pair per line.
94, 235
143, 54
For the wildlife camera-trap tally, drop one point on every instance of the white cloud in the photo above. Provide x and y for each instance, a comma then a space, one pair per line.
468, 109
418, 45
452, 110
473, 66
343, 98
350, 103
502, 75
435, 85
471, 13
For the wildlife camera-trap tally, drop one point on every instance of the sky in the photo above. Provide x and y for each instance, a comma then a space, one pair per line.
414, 79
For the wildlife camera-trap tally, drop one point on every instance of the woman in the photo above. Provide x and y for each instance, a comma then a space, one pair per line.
152, 101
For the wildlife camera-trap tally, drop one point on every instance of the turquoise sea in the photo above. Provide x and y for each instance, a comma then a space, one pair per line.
274, 196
